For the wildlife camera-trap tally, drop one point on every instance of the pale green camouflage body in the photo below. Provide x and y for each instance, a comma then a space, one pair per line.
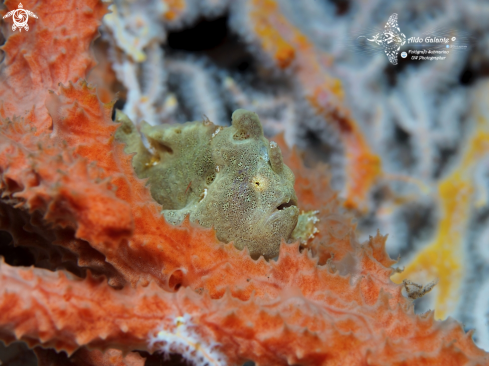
229, 178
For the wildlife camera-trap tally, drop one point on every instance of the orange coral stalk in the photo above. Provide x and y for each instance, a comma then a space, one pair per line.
288, 47
84, 357
56, 49
54, 310
443, 258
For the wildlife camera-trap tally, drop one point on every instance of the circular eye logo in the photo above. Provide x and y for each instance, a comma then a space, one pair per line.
453, 38
403, 54
20, 17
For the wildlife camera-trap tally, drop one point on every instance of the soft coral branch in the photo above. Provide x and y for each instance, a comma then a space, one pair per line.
56, 49
54, 310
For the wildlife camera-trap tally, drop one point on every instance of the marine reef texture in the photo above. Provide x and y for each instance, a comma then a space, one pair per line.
113, 277
406, 145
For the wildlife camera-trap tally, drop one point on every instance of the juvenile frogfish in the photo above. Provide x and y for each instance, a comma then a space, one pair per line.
230, 178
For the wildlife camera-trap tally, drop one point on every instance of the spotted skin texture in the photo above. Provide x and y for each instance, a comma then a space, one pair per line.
232, 179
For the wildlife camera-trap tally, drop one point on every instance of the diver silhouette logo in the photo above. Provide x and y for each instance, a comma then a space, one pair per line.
20, 17
391, 39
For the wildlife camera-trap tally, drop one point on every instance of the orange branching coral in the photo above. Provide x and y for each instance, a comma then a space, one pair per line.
288, 47
176, 289
84, 357
63, 312
443, 258
55, 50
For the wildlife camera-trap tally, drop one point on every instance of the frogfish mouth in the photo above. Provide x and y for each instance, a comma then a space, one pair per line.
230, 178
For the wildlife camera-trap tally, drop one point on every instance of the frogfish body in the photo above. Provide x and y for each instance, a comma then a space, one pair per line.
230, 178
